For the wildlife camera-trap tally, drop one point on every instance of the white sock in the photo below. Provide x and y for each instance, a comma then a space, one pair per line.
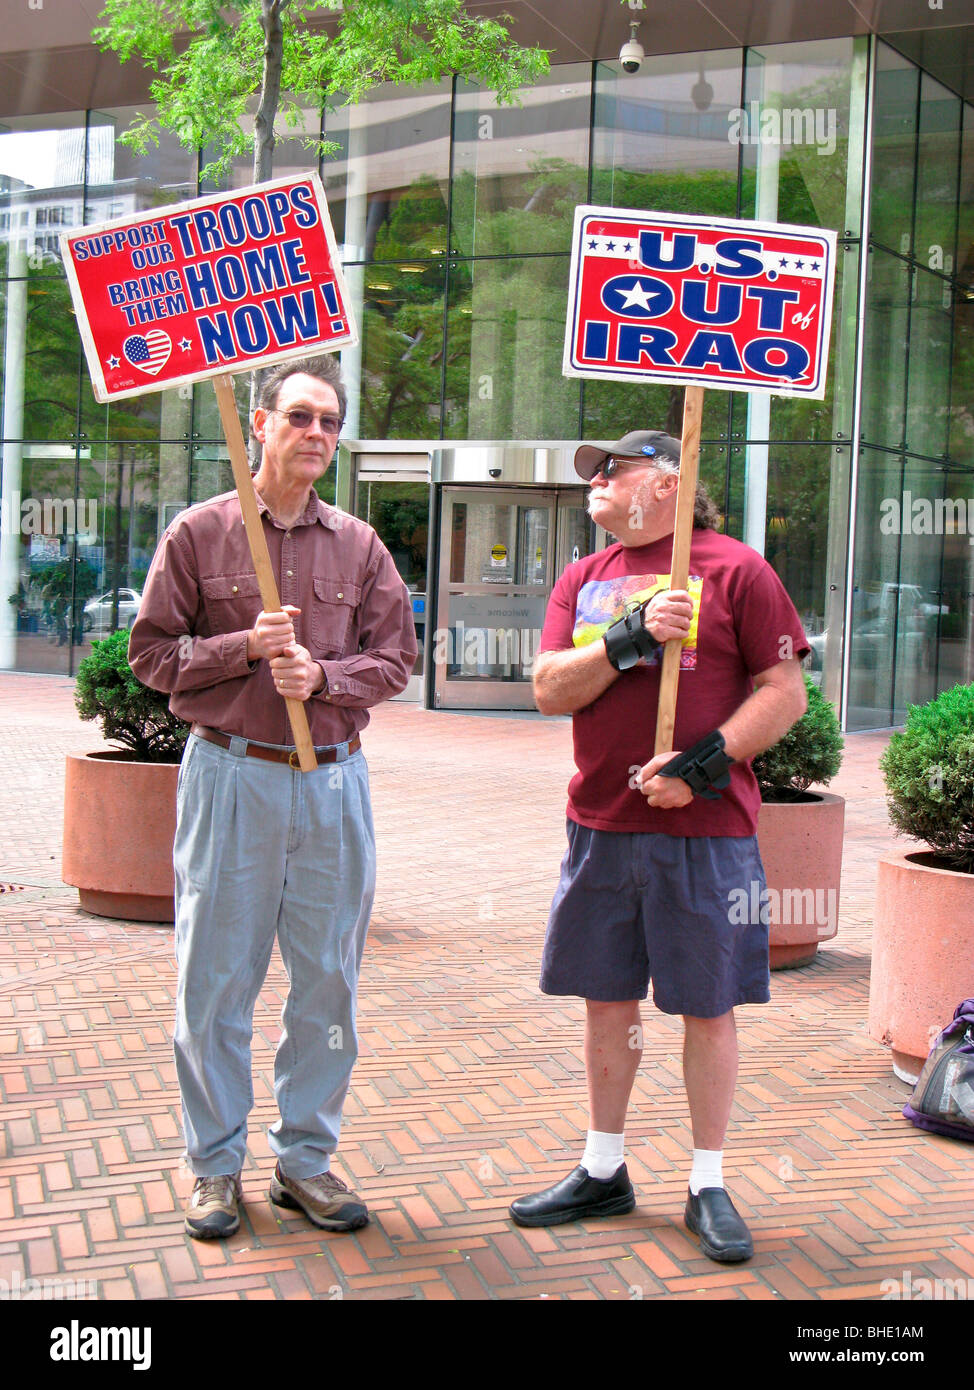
603, 1154
707, 1170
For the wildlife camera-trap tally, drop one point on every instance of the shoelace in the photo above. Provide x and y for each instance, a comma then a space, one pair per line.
221, 1186
330, 1181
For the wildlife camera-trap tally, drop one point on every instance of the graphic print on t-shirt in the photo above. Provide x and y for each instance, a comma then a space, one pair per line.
601, 602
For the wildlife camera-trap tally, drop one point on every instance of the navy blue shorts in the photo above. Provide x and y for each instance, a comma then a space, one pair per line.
682, 912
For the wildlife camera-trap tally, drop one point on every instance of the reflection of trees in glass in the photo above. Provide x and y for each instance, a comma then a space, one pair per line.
710, 191
400, 515
402, 319
798, 518
811, 179
51, 362
515, 388
410, 223
402, 368
894, 149
962, 377
50, 359
55, 586
516, 214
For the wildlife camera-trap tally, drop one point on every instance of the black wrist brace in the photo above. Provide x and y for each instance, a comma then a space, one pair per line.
702, 767
627, 640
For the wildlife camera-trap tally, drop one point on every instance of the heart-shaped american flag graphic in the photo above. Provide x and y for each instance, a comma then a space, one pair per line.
148, 351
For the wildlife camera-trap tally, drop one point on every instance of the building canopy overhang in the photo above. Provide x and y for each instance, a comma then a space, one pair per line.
50, 66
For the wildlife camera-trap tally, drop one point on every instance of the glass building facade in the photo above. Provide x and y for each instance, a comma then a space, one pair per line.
454, 220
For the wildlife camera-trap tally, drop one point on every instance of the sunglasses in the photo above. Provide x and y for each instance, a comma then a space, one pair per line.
611, 465
301, 420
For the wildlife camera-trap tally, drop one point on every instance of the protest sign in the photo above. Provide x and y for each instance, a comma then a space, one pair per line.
691, 301
221, 284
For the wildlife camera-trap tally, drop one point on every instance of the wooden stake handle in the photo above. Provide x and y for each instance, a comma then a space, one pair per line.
680, 565
259, 553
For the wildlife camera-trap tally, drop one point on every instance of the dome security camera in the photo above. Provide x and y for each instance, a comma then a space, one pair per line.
702, 94
631, 53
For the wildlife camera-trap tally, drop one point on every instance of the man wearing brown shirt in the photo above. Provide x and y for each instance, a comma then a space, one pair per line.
263, 849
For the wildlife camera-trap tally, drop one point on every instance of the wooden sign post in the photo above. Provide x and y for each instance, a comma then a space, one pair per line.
259, 553
680, 567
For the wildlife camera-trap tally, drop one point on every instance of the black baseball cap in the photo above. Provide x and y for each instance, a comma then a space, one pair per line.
648, 444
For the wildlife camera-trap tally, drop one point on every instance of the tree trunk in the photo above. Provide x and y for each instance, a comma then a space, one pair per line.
270, 88
264, 141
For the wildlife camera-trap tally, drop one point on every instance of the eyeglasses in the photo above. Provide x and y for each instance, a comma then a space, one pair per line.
610, 466
301, 420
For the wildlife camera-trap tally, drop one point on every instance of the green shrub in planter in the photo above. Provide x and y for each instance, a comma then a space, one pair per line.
130, 713
811, 751
929, 772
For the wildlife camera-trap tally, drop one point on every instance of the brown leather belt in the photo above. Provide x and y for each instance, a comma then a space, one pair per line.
275, 755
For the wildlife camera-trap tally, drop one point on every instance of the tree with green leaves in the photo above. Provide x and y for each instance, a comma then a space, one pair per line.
214, 62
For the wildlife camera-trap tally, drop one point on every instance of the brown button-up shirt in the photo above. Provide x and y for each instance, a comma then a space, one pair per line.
201, 599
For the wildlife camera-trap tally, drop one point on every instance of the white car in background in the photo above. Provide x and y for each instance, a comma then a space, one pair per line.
98, 611
906, 604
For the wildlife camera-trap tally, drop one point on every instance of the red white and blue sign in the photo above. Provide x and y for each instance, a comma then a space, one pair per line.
699, 301
222, 284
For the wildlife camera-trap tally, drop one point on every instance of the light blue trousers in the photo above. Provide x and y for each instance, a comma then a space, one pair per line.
264, 850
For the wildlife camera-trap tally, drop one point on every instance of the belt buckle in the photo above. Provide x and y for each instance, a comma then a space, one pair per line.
293, 760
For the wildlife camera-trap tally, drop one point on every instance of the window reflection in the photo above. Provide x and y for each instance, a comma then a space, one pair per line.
507, 381
519, 171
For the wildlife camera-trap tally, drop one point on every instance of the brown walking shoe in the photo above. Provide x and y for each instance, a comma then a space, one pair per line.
211, 1212
325, 1200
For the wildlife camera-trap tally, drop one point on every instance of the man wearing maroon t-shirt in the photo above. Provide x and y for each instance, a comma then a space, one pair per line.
658, 845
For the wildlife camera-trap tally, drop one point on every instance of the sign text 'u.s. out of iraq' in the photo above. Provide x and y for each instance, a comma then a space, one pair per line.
699, 301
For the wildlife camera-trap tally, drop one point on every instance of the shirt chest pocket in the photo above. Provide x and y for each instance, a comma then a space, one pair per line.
232, 601
333, 616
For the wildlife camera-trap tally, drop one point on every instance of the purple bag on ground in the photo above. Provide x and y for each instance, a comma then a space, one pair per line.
943, 1098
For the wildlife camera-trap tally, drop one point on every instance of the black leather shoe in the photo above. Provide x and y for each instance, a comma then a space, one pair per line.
575, 1197
723, 1236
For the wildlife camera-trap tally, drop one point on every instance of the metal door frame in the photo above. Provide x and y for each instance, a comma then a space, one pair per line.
487, 693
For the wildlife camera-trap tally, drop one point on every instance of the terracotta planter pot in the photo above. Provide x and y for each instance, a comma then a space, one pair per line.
119, 826
923, 955
801, 849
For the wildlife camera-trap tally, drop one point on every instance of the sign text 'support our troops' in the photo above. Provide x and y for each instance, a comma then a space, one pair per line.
211, 286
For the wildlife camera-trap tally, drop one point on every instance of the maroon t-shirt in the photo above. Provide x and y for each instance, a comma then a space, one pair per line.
743, 623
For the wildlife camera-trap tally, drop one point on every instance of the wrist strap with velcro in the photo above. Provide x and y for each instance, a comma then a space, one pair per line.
627, 640
703, 767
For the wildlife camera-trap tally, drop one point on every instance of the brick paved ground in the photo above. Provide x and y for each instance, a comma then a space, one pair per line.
469, 1089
